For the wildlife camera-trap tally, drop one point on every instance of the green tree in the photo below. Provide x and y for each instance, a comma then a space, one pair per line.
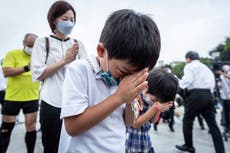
207, 61
177, 68
225, 53
227, 44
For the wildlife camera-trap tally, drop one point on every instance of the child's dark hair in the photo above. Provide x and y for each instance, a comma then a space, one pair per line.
162, 84
133, 36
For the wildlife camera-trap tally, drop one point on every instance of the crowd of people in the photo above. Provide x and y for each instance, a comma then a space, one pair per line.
108, 102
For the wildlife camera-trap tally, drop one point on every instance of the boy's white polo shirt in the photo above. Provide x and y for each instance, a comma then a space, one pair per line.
83, 88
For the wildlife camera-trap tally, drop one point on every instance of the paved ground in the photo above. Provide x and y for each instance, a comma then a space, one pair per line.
163, 140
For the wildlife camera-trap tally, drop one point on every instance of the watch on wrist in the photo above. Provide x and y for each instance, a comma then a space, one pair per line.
26, 68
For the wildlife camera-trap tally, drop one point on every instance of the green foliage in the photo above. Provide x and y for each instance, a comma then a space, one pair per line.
207, 61
227, 44
177, 68
225, 53
220, 48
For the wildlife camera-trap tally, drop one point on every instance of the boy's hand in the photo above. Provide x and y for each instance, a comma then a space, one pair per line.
162, 107
71, 53
131, 85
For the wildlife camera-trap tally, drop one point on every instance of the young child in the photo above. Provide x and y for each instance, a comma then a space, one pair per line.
95, 109
161, 91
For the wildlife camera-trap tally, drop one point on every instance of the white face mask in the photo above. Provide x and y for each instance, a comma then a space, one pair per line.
28, 50
226, 68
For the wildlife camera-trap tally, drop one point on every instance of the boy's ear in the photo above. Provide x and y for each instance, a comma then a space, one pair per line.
101, 51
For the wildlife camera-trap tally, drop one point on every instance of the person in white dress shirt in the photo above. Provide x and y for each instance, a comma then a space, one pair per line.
200, 82
225, 93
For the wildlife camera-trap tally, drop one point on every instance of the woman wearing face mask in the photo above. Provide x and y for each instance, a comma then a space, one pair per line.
49, 60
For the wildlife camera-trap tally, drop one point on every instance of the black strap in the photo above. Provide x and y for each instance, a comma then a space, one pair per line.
47, 48
47, 53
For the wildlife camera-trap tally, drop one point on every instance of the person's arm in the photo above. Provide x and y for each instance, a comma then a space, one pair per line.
53, 68
127, 90
9, 65
128, 115
222, 73
39, 69
10, 71
151, 113
187, 79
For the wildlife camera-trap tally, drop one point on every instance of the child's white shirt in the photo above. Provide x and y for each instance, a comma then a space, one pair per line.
83, 88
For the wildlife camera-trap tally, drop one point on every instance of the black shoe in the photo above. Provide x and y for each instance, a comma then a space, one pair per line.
185, 148
155, 127
171, 129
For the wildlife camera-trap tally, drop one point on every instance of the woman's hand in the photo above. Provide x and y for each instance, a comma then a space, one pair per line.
71, 53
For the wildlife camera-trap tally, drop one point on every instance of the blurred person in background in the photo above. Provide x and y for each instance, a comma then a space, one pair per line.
200, 82
21, 93
224, 86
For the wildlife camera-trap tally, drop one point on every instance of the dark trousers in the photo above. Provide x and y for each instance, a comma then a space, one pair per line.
200, 120
201, 102
2, 95
50, 126
226, 108
171, 117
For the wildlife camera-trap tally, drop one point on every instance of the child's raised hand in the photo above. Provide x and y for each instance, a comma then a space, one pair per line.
162, 107
71, 53
131, 85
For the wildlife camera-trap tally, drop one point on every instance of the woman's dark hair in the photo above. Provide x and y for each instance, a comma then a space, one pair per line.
56, 10
133, 36
162, 84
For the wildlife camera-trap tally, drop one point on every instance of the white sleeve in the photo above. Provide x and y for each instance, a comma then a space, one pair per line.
37, 63
187, 79
82, 51
74, 90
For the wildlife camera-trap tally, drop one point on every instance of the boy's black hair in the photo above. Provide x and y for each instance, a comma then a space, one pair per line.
162, 84
133, 36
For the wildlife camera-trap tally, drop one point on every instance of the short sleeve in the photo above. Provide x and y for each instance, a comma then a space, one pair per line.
37, 64
74, 90
9, 60
82, 51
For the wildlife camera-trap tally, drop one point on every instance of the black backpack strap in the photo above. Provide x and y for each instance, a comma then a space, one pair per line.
47, 54
47, 48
